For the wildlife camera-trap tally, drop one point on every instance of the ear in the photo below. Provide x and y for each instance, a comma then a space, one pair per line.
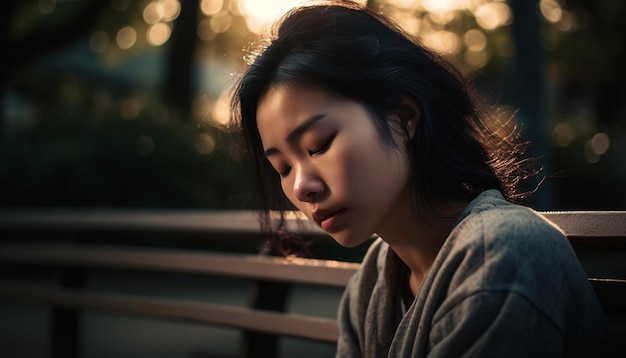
409, 114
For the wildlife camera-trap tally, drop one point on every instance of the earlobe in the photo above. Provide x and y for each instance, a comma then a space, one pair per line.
409, 114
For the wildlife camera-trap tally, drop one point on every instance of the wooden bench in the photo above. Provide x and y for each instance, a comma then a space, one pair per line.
74, 243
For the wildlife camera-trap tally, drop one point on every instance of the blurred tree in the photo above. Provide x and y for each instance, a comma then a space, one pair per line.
180, 67
559, 65
40, 36
32, 34
102, 143
28, 43
586, 56
527, 91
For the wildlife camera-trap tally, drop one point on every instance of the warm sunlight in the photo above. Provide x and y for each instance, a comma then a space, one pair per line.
259, 14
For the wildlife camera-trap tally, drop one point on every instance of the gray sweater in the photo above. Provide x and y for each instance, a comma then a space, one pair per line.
506, 283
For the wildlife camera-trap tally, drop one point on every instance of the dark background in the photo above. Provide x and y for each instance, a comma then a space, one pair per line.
88, 120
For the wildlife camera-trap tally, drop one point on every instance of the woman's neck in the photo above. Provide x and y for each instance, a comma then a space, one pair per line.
417, 241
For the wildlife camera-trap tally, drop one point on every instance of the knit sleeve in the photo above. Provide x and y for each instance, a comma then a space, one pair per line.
495, 324
348, 342
365, 315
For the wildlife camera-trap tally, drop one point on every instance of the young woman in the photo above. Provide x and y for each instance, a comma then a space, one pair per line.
367, 132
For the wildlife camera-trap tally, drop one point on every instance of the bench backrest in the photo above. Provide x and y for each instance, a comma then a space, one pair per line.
599, 239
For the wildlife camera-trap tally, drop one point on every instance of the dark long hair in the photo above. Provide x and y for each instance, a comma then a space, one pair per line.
455, 153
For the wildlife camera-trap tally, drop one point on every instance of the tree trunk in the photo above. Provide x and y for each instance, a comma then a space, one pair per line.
528, 91
178, 88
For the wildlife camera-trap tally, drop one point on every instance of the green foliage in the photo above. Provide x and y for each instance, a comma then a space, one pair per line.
116, 162
81, 152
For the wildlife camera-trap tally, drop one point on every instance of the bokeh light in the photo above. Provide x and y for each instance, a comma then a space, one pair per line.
600, 143
126, 37
446, 42
169, 9
492, 15
551, 10
211, 7
220, 22
475, 40
204, 144
563, 134
161, 11
151, 13
158, 34
568, 22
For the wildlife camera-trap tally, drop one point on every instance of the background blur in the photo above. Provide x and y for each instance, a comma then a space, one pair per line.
122, 103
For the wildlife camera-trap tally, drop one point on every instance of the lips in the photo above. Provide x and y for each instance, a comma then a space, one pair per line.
327, 219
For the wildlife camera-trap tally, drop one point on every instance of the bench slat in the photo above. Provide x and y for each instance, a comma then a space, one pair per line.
284, 324
600, 228
594, 234
214, 221
611, 293
129, 219
573, 223
306, 271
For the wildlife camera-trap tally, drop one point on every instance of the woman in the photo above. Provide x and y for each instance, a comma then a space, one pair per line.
365, 131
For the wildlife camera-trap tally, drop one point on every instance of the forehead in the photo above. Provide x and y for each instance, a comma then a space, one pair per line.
291, 99
285, 106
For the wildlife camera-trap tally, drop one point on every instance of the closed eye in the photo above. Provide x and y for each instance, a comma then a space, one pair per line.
280, 168
285, 172
323, 148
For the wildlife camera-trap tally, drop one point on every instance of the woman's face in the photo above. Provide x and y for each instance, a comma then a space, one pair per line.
333, 164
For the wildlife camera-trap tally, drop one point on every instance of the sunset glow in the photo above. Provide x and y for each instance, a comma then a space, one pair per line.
259, 14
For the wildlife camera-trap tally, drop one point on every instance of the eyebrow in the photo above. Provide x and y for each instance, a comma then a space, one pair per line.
298, 132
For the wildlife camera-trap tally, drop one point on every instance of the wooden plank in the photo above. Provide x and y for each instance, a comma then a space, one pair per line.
611, 293
214, 221
591, 224
129, 219
574, 223
297, 270
284, 324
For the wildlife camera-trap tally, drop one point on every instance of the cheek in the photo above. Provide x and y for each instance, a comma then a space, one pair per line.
378, 171
352, 171
287, 187
345, 168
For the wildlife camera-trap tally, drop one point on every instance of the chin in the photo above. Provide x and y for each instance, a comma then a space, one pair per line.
350, 241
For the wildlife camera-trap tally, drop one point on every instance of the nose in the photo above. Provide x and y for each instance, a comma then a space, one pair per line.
308, 186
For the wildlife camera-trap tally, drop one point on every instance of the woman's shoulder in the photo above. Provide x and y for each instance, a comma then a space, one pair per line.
499, 247
492, 221
504, 246
511, 245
